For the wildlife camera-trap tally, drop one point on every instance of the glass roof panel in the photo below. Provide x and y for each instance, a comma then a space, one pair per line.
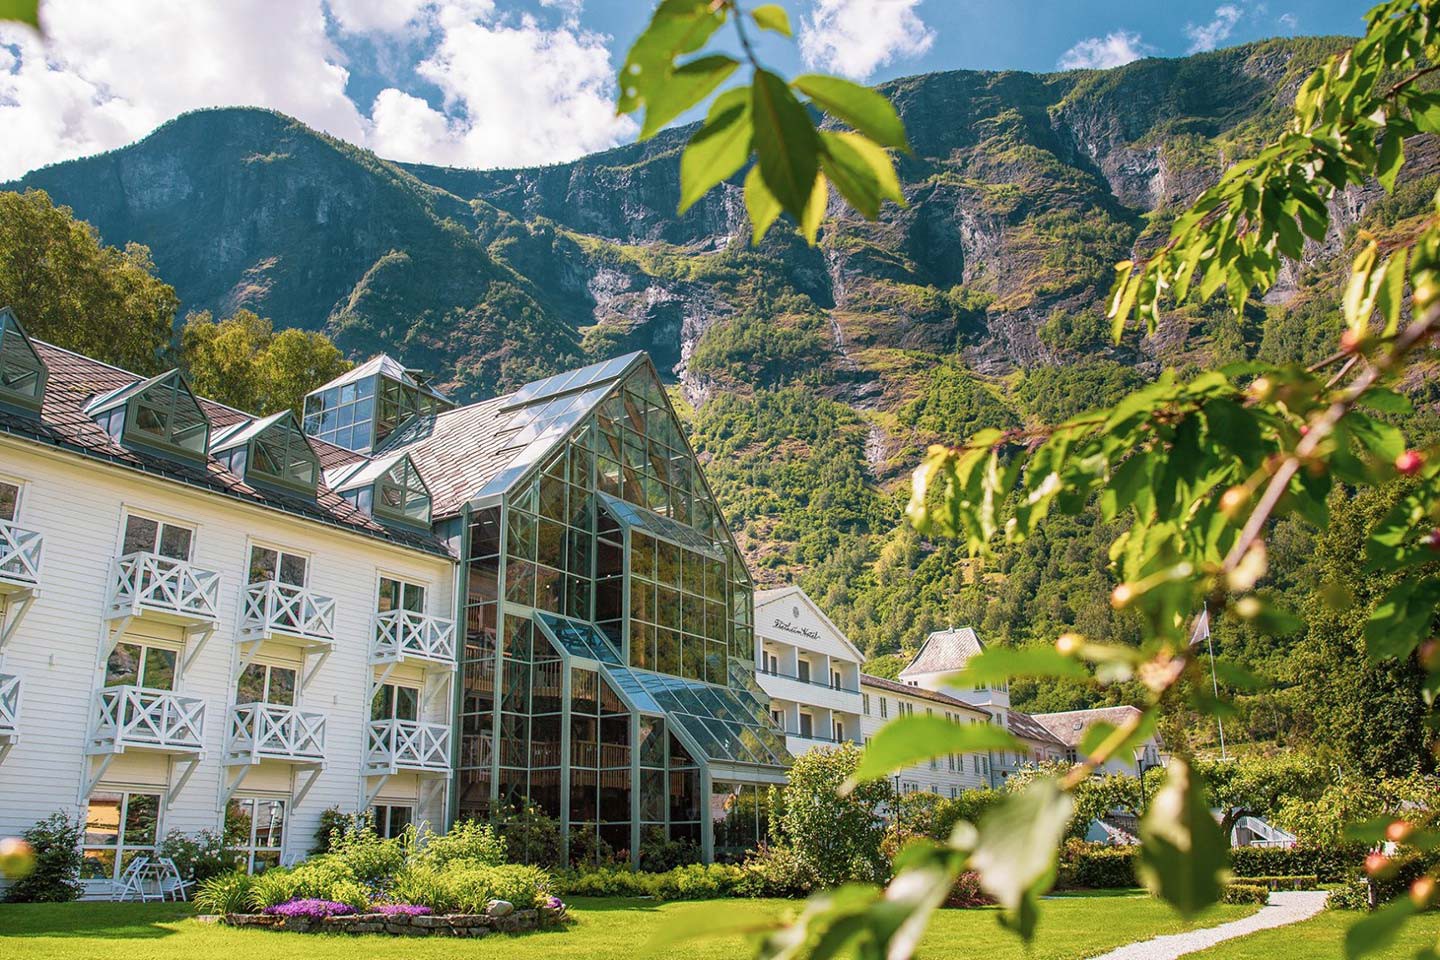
662, 527
578, 638
570, 380
718, 721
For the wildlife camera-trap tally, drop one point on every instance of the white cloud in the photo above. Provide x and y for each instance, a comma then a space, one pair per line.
510, 90
109, 72
1208, 36
1288, 22
1102, 53
857, 37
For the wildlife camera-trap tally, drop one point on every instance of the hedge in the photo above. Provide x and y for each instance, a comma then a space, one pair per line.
1296, 882
1327, 864
1103, 868
1245, 893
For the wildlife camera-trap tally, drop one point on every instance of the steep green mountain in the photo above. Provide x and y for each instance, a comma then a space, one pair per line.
814, 376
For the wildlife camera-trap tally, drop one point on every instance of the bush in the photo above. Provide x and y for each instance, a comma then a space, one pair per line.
224, 893
659, 853
966, 892
199, 857
1297, 882
1354, 895
605, 882
315, 879
468, 840
1245, 893
55, 877
1329, 864
368, 856
1098, 867
335, 823
837, 837
467, 887
697, 881
530, 836
775, 871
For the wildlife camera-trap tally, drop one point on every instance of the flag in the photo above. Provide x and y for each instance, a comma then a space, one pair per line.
1201, 629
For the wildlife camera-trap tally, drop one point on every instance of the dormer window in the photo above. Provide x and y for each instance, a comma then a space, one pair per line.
22, 372
161, 413
389, 488
359, 409
270, 451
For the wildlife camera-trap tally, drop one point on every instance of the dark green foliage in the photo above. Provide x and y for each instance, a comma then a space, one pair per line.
532, 837
953, 404
1245, 893
335, 824
55, 877
1329, 864
836, 838
1098, 867
1296, 882
1055, 394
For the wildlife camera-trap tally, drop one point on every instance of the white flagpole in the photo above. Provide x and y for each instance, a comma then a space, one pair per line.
1214, 684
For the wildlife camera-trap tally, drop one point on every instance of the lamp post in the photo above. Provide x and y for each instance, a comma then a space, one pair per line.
1142, 766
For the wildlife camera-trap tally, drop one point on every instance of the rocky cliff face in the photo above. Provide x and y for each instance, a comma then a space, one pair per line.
1023, 189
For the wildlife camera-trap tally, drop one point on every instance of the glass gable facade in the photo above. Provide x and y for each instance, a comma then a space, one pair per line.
22, 372
608, 626
359, 411
161, 413
271, 451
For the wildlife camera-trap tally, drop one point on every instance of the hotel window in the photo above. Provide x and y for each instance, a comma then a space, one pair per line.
160, 413
9, 501
392, 819
839, 730
22, 372
118, 826
934, 763
835, 680
802, 669
865, 703
266, 563
395, 702
143, 535
140, 665
255, 832
400, 595
807, 725
779, 717
884, 709
266, 683
770, 662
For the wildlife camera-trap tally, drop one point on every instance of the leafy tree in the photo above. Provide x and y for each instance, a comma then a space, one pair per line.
836, 837
1258, 786
243, 362
1322, 819
69, 288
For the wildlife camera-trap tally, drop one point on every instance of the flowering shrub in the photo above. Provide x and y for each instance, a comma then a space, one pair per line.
225, 893
310, 909
404, 910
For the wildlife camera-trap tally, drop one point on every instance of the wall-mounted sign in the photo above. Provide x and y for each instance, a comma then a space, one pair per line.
796, 629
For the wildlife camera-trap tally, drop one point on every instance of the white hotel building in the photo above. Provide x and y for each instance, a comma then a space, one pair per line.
809, 669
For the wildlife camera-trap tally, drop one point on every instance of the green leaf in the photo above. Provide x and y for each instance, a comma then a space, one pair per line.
773, 17
1097, 733
1385, 400
999, 664
25, 11
760, 204
815, 209
1391, 297
1017, 844
1392, 158
1360, 291
687, 86
861, 107
785, 142
851, 173
1183, 854
907, 740
677, 28
717, 149
880, 164
1376, 931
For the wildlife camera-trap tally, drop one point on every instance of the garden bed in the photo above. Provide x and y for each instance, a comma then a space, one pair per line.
408, 925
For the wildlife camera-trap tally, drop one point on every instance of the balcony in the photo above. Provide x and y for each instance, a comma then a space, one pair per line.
813, 693
272, 609
160, 588
396, 746
144, 719
401, 635
19, 558
9, 709
268, 731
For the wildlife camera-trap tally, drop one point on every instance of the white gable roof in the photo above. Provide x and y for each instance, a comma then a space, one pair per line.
781, 614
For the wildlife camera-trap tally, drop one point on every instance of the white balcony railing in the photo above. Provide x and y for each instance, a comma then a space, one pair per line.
9, 707
272, 607
147, 583
404, 634
148, 719
407, 745
19, 557
270, 731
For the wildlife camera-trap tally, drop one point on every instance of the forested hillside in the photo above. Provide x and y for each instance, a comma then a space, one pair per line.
814, 377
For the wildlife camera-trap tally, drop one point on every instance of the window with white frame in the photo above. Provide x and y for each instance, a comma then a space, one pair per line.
865, 703
391, 819
395, 701
9, 501
133, 664
255, 832
266, 683
769, 662
400, 595
779, 717
268, 563
146, 535
119, 825
884, 709
839, 730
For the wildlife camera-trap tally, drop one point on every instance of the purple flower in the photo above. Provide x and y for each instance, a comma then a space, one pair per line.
554, 903
310, 909
404, 910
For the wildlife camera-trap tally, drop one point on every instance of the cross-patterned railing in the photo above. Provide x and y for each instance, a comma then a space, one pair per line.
20, 555
403, 634
9, 706
408, 745
140, 717
270, 731
275, 607
148, 581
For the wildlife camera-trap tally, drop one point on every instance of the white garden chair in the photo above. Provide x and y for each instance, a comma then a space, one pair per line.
172, 885
132, 881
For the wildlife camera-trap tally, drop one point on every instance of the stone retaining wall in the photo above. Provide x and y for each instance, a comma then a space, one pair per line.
436, 925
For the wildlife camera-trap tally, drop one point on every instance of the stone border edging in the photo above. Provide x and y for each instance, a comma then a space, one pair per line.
399, 925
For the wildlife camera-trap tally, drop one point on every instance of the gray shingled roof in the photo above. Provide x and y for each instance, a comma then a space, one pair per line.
944, 651
891, 686
1069, 725
74, 380
1024, 725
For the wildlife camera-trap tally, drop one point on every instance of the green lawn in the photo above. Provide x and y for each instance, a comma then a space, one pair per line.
1321, 938
1071, 928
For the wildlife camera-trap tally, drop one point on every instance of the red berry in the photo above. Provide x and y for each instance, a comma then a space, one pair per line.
1432, 539
1352, 340
1398, 831
1304, 429
1376, 863
1410, 462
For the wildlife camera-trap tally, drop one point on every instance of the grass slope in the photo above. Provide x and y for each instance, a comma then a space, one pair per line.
1070, 929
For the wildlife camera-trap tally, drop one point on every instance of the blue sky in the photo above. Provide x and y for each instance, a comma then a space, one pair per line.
489, 83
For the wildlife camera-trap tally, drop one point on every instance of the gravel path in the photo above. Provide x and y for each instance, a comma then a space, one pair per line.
1283, 909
